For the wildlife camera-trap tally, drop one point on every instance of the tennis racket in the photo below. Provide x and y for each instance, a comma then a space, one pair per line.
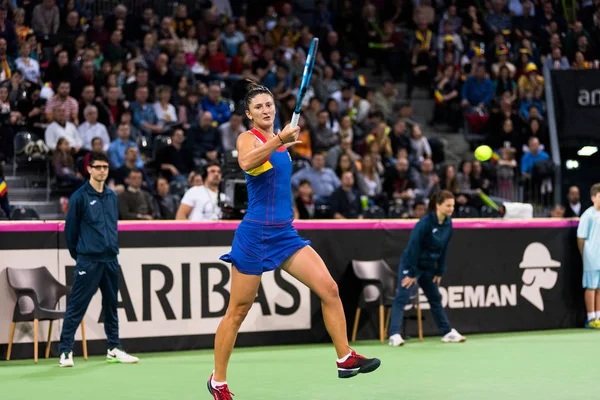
308, 70
489, 202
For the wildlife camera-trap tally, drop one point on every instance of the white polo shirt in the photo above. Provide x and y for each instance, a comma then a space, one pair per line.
204, 203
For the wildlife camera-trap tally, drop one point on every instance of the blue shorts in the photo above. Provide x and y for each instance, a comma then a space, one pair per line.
259, 248
591, 279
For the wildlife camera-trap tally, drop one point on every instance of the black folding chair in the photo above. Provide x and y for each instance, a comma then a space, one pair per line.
379, 283
38, 293
378, 290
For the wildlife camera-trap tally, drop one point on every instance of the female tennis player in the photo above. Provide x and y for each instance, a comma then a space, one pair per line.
424, 261
266, 240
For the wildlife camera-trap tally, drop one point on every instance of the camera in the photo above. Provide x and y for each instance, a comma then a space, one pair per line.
233, 186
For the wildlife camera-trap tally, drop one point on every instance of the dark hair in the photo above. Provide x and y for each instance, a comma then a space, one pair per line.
95, 139
135, 170
254, 89
304, 182
595, 189
439, 198
204, 171
417, 204
97, 156
212, 164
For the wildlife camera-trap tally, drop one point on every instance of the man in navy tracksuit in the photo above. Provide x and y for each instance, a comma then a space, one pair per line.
424, 261
91, 235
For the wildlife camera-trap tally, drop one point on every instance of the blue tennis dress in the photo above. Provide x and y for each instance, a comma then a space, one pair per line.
266, 238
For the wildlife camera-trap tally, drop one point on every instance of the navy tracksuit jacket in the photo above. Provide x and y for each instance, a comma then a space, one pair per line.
424, 258
92, 239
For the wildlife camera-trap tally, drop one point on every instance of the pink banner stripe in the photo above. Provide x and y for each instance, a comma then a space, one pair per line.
127, 226
25, 226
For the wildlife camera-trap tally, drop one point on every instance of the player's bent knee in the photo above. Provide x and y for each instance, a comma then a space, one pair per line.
330, 291
237, 313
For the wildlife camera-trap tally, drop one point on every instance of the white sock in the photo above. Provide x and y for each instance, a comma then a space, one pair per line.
215, 384
341, 360
597, 314
591, 316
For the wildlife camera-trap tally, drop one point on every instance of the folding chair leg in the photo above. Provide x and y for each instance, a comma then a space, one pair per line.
11, 336
49, 342
381, 323
355, 328
84, 341
36, 328
419, 320
387, 320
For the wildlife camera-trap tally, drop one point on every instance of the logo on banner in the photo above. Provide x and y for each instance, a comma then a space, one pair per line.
588, 98
537, 275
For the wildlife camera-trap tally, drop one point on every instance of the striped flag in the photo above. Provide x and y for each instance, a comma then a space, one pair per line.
3, 188
362, 81
439, 98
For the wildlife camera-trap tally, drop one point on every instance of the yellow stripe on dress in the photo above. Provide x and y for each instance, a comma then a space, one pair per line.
260, 169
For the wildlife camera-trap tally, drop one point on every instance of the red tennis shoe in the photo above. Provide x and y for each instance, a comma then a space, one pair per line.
356, 364
220, 392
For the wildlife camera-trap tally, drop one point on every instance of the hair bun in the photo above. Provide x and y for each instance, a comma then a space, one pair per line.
252, 84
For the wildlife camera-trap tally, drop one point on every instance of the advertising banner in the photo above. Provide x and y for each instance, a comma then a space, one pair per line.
502, 276
577, 103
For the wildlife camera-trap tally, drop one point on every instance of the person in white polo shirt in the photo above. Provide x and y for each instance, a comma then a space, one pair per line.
91, 129
62, 128
201, 203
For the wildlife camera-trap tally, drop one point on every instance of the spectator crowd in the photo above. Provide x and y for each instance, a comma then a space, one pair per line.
162, 96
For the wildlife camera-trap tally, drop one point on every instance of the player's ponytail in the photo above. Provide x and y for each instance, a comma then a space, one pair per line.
254, 89
438, 199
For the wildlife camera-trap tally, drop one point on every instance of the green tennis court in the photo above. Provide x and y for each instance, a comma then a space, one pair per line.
534, 365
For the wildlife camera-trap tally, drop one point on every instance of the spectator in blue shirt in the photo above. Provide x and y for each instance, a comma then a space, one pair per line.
231, 38
532, 157
323, 180
557, 60
144, 116
280, 81
497, 20
213, 104
117, 149
478, 90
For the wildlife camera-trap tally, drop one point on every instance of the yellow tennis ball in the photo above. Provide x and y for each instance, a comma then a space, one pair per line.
483, 153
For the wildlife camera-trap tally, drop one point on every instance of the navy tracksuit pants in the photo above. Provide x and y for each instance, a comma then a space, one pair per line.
88, 277
430, 290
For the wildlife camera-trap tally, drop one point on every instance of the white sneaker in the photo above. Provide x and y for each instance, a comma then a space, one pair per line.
396, 340
453, 337
119, 356
66, 359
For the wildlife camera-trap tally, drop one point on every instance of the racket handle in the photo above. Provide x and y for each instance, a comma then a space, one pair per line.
295, 118
489, 202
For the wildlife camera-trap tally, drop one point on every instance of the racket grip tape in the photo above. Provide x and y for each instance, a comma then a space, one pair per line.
295, 118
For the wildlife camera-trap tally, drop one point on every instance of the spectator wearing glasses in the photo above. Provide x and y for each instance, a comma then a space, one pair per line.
91, 236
